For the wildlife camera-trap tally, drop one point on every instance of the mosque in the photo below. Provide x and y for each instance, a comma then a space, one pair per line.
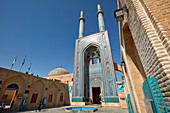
145, 67
93, 80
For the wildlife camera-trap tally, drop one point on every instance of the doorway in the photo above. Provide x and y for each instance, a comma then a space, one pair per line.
9, 95
96, 95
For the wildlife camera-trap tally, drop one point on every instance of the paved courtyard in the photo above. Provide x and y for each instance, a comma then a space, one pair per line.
61, 110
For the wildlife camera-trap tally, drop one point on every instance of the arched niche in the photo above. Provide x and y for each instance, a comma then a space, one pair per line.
20, 82
38, 88
91, 57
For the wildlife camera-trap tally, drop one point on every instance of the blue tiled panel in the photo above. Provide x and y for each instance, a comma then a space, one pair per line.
96, 68
115, 100
77, 100
80, 99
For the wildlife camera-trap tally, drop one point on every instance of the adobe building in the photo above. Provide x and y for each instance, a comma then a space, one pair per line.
23, 91
94, 79
145, 49
63, 76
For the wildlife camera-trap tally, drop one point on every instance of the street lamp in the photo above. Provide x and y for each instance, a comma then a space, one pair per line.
123, 63
119, 13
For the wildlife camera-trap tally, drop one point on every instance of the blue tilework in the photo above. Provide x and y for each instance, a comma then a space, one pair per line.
115, 100
77, 100
151, 91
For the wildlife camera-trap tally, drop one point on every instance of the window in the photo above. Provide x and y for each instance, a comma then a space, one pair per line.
61, 97
94, 60
34, 97
4, 96
50, 97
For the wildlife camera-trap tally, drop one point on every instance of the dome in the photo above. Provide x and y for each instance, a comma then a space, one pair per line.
58, 71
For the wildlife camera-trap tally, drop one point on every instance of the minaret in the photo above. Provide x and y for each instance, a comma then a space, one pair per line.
81, 24
100, 18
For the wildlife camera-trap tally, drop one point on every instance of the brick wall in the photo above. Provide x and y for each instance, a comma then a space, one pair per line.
149, 23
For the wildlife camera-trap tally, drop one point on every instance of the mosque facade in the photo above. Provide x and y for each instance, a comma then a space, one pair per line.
94, 80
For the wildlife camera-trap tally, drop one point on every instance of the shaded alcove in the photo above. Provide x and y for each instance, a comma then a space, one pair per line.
91, 57
136, 75
132, 53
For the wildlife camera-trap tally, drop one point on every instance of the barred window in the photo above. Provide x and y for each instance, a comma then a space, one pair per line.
50, 97
34, 97
4, 96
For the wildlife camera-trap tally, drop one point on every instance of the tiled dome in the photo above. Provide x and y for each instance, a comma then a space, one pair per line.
58, 71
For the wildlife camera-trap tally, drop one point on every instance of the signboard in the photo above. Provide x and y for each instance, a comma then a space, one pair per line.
153, 96
70, 89
44, 102
24, 103
20, 96
120, 87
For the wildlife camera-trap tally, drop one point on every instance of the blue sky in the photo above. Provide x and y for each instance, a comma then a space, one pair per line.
45, 31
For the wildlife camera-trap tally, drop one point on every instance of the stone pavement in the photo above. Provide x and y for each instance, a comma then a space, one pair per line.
61, 110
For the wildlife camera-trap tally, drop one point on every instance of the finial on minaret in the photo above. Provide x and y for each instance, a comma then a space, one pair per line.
82, 14
100, 18
81, 24
98, 7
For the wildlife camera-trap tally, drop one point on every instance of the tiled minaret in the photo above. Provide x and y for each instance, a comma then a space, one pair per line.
100, 18
81, 24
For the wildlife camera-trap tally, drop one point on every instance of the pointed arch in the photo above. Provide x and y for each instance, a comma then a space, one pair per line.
52, 94
85, 82
17, 79
37, 87
91, 44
